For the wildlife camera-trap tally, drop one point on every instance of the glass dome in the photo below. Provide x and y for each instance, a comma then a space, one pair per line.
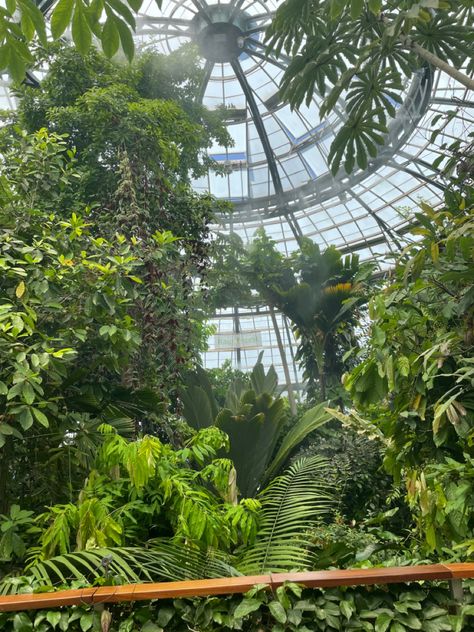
276, 172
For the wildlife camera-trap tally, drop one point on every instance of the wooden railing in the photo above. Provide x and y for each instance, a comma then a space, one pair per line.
453, 573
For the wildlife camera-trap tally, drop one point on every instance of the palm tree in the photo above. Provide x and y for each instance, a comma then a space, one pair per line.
319, 292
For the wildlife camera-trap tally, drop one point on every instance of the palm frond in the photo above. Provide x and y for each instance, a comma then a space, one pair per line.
291, 505
312, 419
164, 560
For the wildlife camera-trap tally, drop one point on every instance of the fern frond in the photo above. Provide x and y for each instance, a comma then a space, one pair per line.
291, 505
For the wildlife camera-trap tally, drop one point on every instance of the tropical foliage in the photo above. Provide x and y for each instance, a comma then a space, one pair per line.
358, 55
24, 27
290, 609
415, 387
320, 293
254, 419
121, 458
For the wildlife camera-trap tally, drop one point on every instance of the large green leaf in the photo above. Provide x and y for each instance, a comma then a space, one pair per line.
253, 434
291, 505
163, 559
310, 421
81, 32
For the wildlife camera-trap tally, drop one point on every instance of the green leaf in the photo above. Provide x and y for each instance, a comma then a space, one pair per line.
382, 622
61, 17
81, 32
245, 607
53, 617
110, 37
403, 366
375, 6
3, 388
25, 418
22, 622
356, 8
28, 393
35, 16
87, 621
119, 7
126, 39
5, 52
41, 417
278, 612
16, 66
28, 30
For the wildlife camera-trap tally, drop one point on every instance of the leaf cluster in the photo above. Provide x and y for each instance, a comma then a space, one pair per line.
357, 55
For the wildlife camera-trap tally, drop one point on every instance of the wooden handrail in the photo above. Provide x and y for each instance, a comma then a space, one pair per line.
231, 585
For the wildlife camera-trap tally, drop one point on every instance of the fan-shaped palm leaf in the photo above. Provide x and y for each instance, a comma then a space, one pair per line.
291, 505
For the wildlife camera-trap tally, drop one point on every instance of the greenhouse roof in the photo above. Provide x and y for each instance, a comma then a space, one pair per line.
277, 169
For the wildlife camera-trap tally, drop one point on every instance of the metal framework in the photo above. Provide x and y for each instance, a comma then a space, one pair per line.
277, 173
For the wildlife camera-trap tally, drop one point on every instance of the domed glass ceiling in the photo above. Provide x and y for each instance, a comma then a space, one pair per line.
277, 171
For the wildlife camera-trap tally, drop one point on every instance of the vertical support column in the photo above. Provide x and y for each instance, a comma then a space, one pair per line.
237, 332
457, 594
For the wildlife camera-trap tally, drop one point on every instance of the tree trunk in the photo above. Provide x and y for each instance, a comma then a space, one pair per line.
436, 61
286, 370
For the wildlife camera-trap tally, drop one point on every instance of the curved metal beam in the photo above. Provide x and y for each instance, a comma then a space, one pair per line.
256, 29
384, 227
259, 126
205, 80
236, 9
254, 53
201, 7
272, 165
164, 31
151, 19
258, 44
